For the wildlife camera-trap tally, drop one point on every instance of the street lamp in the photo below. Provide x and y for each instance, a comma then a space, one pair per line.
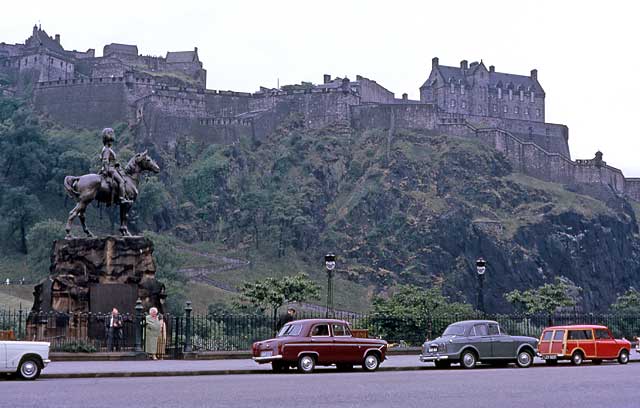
330, 264
481, 267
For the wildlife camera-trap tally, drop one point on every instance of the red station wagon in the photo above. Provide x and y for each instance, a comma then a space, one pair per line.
319, 342
582, 342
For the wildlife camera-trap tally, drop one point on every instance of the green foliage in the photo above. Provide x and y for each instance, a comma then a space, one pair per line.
77, 346
547, 298
20, 210
39, 241
154, 199
412, 309
628, 302
275, 292
208, 176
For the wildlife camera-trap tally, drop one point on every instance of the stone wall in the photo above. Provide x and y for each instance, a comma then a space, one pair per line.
91, 103
394, 115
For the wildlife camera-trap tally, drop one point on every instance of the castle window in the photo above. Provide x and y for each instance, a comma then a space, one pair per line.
506, 109
452, 103
510, 94
499, 93
526, 111
453, 89
532, 96
464, 105
495, 108
521, 95
538, 112
461, 89
517, 109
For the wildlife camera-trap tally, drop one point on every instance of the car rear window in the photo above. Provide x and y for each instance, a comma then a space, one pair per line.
558, 335
579, 335
546, 336
290, 330
320, 330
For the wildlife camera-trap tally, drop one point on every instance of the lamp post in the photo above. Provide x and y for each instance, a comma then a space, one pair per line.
481, 267
330, 264
187, 328
138, 325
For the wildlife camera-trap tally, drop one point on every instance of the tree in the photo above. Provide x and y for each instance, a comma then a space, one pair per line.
275, 292
411, 312
20, 210
39, 242
547, 298
628, 302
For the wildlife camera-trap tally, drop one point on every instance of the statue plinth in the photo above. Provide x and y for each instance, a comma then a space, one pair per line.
94, 275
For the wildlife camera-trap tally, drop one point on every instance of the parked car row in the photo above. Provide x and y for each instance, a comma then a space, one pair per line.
306, 344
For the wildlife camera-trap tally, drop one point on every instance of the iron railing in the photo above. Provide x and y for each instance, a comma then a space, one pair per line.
236, 332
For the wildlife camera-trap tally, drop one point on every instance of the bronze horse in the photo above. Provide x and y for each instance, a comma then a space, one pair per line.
84, 189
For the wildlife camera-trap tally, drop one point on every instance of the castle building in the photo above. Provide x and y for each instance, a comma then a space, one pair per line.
472, 89
165, 99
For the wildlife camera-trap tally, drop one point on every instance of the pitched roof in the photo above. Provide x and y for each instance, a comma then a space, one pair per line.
495, 78
182, 56
41, 38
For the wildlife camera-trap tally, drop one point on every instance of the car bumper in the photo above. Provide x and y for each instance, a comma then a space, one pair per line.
45, 362
268, 359
434, 357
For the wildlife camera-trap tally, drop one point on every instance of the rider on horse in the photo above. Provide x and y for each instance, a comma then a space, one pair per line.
110, 167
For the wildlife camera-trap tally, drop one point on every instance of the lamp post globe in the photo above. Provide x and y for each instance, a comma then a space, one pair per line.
330, 265
481, 268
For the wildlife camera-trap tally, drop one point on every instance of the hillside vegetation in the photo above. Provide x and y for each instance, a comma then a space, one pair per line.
418, 208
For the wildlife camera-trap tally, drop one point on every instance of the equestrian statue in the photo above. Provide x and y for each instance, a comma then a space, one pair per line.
110, 186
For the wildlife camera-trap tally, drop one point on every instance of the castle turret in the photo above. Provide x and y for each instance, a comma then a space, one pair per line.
464, 64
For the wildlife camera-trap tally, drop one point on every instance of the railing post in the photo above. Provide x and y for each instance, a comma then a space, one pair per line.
19, 334
187, 328
138, 326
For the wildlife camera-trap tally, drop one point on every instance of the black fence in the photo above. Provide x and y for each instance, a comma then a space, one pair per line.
86, 332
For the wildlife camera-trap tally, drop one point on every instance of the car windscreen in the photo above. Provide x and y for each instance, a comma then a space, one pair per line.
290, 330
454, 330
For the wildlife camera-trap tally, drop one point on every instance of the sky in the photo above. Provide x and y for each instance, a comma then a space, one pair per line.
585, 51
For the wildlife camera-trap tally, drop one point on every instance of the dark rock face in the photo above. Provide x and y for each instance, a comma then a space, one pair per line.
96, 274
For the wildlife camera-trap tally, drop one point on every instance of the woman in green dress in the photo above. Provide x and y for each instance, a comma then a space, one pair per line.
152, 331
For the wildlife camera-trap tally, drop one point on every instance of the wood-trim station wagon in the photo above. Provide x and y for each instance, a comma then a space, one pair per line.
582, 342
319, 342
472, 341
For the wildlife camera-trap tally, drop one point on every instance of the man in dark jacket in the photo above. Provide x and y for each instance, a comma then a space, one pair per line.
114, 330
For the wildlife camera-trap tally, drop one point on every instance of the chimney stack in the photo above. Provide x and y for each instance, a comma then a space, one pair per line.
534, 74
327, 78
58, 38
492, 68
434, 62
405, 97
464, 64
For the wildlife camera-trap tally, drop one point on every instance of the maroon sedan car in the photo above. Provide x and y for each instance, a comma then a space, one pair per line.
319, 342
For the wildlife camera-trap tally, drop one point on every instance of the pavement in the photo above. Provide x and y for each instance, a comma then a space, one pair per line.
565, 386
168, 368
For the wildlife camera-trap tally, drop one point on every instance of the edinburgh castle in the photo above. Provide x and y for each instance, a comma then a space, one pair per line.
165, 99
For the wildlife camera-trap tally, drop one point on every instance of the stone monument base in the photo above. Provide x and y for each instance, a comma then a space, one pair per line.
91, 276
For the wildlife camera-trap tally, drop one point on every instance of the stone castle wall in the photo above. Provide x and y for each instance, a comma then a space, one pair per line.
90, 103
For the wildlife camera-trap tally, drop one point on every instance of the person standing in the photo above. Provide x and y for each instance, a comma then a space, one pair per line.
286, 318
152, 332
114, 330
162, 338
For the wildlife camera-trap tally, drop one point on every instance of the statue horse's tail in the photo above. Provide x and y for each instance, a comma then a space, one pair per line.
70, 186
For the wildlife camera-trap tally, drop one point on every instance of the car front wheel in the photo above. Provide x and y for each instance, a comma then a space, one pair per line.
468, 359
371, 362
524, 359
623, 358
29, 369
306, 364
